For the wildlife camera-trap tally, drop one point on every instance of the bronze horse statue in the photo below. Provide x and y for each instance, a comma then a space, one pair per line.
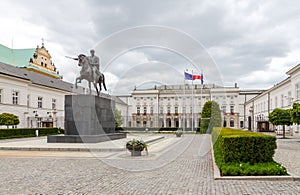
90, 74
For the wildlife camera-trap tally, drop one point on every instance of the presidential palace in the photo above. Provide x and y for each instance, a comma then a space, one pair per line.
32, 89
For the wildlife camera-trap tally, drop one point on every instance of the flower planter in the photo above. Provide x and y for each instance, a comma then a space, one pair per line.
136, 153
178, 134
136, 147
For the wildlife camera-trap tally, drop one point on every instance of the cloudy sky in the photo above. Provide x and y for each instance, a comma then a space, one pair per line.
143, 43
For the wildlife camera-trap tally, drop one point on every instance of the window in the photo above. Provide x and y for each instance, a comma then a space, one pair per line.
183, 110
145, 109
297, 91
231, 123
161, 110
151, 110
232, 109
15, 97
282, 100
289, 98
53, 104
191, 109
176, 110
242, 124
224, 108
40, 102
28, 100
276, 103
39, 122
169, 110
138, 110
271, 104
0, 95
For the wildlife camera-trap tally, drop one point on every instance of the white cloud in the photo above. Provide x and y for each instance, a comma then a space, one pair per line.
247, 39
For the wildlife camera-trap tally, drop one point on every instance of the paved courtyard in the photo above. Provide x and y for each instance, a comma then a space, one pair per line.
173, 166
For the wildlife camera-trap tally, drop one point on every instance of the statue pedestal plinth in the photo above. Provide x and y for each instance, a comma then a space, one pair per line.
88, 119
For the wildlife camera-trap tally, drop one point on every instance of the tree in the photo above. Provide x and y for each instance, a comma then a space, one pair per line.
280, 117
210, 117
9, 119
295, 113
118, 118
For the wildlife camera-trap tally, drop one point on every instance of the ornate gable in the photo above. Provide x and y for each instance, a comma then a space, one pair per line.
41, 60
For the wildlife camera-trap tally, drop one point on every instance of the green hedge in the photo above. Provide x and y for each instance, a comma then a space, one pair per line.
245, 153
244, 146
28, 132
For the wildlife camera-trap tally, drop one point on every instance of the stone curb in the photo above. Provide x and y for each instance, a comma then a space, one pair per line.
217, 174
86, 149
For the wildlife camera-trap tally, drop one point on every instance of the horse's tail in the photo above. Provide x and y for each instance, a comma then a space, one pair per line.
102, 80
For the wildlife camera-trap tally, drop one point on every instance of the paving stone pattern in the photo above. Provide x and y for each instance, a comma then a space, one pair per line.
190, 173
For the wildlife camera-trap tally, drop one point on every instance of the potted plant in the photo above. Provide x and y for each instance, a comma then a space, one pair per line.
136, 147
178, 133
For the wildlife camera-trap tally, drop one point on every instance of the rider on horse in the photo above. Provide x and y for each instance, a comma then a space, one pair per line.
90, 71
95, 65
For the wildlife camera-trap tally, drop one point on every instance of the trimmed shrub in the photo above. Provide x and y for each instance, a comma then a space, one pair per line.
210, 117
244, 146
168, 129
28, 132
245, 153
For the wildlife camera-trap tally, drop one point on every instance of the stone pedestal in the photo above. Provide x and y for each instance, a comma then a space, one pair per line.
88, 119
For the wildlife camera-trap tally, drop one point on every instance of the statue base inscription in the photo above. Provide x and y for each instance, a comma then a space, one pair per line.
88, 119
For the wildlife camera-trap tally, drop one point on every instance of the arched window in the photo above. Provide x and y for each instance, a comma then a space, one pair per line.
231, 123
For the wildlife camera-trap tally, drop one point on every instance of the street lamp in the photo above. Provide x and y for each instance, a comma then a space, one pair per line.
36, 114
50, 116
36, 117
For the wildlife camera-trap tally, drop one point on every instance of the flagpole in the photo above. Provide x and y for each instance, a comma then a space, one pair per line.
192, 101
183, 114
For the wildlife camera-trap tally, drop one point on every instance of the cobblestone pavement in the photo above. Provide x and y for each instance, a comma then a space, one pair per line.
288, 154
189, 173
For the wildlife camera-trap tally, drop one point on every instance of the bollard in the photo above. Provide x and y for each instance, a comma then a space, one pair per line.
37, 133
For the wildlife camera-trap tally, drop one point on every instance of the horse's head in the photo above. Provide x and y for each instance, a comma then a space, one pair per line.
81, 59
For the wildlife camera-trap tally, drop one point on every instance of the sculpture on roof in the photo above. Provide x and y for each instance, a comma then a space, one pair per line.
90, 71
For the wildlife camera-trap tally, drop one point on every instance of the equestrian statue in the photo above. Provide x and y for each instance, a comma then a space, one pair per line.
90, 71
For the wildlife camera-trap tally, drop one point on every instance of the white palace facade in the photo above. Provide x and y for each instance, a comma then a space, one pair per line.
181, 105
281, 95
